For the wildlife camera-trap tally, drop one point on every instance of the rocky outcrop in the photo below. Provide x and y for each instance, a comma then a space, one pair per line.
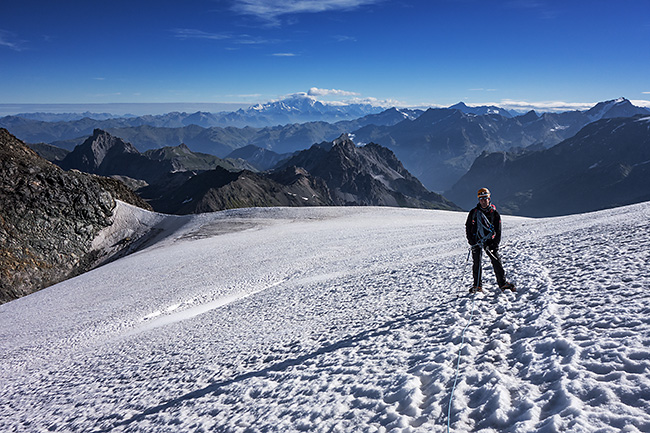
107, 155
369, 175
221, 189
48, 219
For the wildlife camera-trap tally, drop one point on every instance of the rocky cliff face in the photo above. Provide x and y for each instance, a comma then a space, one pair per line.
106, 155
48, 219
365, 176
221, 189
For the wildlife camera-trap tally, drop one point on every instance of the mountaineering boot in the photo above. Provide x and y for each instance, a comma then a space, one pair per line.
475, 289
508, 286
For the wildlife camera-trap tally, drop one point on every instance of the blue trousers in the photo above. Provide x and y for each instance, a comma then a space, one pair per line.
493, 253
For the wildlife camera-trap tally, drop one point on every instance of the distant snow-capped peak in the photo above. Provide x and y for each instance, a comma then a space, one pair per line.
296, 102
302, 104
620, 107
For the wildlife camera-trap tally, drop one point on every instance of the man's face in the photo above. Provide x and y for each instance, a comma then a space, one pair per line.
484, 202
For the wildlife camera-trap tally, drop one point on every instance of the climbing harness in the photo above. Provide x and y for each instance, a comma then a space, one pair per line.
484, 229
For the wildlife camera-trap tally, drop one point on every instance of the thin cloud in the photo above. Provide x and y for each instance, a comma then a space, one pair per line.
8, 39
345, 97
241, 39
343, 38
270, 10
376, 102
284, 54
315, 91
199, 34
545, 105
251, 40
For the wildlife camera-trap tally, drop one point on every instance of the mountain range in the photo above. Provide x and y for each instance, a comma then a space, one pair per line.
299, 108
606, 164
437, 146
176, 180
440, 145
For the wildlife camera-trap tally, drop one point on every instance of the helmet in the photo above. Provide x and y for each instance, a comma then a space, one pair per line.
483, 192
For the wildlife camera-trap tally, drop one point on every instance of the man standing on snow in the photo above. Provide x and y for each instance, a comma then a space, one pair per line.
483, 229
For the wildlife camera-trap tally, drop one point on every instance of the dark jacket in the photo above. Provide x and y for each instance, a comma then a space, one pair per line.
471, 225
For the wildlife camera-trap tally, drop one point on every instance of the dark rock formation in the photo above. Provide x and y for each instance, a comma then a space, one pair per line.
48, 219
369, 175
107, 155
221, 189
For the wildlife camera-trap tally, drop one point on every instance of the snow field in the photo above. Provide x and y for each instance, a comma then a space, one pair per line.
341, 319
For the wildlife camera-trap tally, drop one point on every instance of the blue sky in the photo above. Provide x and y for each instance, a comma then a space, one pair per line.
533, 53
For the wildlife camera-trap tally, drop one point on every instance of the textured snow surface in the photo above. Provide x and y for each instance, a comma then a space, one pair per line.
340, 320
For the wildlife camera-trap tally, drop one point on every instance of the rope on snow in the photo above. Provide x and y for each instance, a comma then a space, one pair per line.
462, 345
